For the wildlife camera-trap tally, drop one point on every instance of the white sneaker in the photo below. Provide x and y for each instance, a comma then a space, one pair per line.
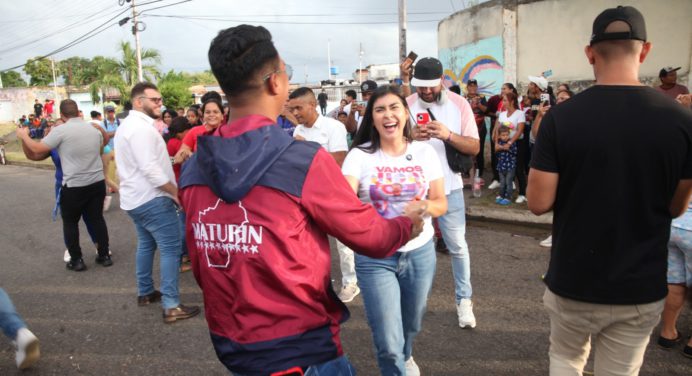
465, 314
66, 257
494, 185
349, 292
27, 348
107, 203
547, 242
412, 368
521, 199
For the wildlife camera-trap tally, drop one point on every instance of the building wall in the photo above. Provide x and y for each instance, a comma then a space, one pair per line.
18, 101
553, 33
537, 35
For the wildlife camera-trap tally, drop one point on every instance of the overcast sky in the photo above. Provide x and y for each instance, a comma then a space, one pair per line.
301, 30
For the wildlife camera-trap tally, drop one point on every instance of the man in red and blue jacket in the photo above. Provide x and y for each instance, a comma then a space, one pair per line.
259, 206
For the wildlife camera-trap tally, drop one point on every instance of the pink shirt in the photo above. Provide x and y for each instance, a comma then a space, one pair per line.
674, 91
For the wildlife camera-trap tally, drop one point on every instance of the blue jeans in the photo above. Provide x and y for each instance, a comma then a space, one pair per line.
453, 228
10, 322
157, 225
335, 367
395, 292
506, 180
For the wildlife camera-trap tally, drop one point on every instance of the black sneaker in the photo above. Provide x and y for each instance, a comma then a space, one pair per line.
104, 260
669, 343
76, 265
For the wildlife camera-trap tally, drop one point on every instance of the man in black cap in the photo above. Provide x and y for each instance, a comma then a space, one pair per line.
452, 123
613, 197
357, 109
322, 100
669, 85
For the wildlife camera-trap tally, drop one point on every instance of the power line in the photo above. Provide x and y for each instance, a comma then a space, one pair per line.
280, 22
315, 15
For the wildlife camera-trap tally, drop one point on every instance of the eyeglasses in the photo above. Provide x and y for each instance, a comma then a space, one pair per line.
153, 99
288, 71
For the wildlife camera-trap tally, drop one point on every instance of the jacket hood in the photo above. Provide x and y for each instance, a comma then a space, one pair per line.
232, 164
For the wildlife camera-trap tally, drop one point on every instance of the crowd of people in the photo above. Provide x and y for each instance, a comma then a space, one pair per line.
382, 176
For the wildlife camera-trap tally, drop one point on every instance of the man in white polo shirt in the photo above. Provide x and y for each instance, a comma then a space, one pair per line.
331, 134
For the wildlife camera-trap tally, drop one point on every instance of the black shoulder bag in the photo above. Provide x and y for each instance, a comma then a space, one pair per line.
458, 161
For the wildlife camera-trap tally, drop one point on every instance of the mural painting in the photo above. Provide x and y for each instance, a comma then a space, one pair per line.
482, 60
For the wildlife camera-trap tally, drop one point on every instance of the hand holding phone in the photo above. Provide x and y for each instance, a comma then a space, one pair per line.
545, 98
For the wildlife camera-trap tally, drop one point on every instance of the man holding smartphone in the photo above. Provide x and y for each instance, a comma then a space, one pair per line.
452, 123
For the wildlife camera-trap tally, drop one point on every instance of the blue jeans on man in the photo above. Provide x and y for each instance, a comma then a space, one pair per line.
395, 293
453, 228
336, 367
158, 226
10, 322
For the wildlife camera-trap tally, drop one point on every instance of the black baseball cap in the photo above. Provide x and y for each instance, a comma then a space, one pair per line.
627, 14
427, 73
368, 86
472, 82
664, 71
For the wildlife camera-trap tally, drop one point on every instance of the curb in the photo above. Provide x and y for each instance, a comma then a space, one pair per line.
506, 215
41, 166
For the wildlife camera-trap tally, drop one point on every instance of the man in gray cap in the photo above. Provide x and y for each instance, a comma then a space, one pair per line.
613, 197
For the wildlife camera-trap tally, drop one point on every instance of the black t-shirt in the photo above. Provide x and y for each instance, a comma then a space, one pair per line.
620, 152
38, 108
322, 97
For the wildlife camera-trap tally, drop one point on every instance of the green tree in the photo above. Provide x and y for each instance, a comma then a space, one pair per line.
151, 58
174, 90
106, 74
12, 79
200, 78
40, 71
77, 71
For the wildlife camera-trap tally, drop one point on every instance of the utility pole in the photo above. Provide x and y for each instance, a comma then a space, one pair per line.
402, 30
360, 64
135, 32
55, 81
329, 60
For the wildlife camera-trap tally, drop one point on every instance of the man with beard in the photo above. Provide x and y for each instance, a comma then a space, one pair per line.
149, 194
452, 123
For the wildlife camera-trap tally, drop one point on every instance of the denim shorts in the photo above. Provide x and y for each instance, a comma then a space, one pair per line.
680, 257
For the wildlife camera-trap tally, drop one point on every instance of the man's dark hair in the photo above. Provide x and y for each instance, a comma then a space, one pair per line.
301, 91
455, 89
211, 95
94, 114
238, 54
127, 106
179, 125
139, 89
69, 108
351, 93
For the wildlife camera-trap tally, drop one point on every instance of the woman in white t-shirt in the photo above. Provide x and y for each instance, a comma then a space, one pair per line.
515, 119
395, 174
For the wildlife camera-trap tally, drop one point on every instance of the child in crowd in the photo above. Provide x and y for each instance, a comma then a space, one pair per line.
506, 163
177, 131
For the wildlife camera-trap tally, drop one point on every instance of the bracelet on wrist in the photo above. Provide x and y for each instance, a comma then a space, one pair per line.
449, 138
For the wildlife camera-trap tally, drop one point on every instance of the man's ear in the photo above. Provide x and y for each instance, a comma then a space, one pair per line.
273, 84
646, 48
588, 51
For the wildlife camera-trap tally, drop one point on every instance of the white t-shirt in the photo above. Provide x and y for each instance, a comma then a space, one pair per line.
517, 117
390, 183
329, 133
456, 114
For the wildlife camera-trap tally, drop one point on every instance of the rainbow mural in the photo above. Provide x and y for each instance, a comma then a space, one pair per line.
482, 61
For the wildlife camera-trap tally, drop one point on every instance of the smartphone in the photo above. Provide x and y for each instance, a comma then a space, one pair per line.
422, 118
413, 56
362, 103
545, 98
548, 73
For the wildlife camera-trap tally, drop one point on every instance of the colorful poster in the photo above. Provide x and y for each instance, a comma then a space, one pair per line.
482, 61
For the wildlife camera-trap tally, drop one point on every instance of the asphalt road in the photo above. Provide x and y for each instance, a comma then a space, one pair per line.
89, 323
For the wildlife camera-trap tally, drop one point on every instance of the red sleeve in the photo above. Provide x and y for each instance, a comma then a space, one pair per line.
173, 146
336, 209
190, 138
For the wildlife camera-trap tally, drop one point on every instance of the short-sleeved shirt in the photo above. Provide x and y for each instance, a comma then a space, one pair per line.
79, 146
456, 114
329, 133
512, 121
390, 183
173, 145
110, 126
619, 152
674, 91
684, 222
507, 159
190, 138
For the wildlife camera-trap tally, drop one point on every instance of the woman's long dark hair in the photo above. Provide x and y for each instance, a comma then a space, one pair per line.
367, 132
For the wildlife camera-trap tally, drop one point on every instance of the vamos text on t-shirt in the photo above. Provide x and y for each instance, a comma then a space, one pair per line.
389, 183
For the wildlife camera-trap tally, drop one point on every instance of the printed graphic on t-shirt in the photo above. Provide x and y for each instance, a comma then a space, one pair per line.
391, 188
